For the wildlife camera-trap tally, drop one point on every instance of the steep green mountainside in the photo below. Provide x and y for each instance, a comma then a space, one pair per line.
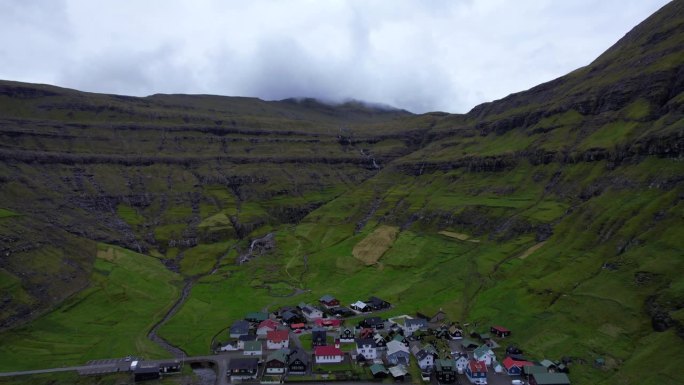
557, 212
168, 174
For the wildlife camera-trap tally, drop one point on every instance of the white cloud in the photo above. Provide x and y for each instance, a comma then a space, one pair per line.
437, 55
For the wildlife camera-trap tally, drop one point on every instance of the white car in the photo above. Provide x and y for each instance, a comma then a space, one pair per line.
517, 382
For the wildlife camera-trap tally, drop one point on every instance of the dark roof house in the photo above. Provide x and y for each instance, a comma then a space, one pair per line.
299, 362
377, 303
239, 328
146, 371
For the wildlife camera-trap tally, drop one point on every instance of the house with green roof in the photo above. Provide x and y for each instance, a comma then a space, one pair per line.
484, 354
379, 371
445, 371
256, 316
253, 348
276, 362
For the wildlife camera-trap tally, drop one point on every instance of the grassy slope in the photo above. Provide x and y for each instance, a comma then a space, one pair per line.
559, 300
129, 292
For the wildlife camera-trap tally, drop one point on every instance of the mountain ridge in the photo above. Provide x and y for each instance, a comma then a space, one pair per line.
580, 175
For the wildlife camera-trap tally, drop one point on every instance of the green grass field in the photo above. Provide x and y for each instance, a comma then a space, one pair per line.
128, 294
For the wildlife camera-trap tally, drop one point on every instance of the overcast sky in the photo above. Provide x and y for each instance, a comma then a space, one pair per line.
418, 55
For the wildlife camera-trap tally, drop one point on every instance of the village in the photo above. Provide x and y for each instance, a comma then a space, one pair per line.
330, 342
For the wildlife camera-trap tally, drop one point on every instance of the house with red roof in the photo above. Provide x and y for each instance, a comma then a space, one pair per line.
476, 371
277, 339
515, 367
328, 355
500, 331
298, 326
266, 326
330, 323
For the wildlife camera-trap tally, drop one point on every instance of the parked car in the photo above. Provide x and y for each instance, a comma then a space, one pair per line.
517, 382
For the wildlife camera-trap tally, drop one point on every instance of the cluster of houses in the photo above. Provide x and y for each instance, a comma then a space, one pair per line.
380, 347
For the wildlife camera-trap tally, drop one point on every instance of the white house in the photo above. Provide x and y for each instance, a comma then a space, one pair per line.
278, 339
412, 325
367, 348
230, 346
360, 306
425, 359
328, 355
266, 326
484, 354
397, 353
252, 348
461, 363
310, 312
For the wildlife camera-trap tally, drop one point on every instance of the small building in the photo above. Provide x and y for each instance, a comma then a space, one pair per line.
360, 306
253, 348
461, 362
146, 371
341, 311
245, 338
372, 322
239, 328
425, 359
347, 335
533, 369
380, 342
398, 372
299, 362
367, 348
290, 318
329, 323
476, 371
400, 338
455, 332
328, 355
549, 365
484, 354
500, 331
276, 362
172, 366
513, 350
329, 301
243, 368
379, 371
309, 312
229, 346
439, 317
549, 379
484, 337
298, 326
378, 304
413, 325
397, 353
318, 337
445, 371
256, 316
513, 367
367, 333
266, 326
469, 344
278, 339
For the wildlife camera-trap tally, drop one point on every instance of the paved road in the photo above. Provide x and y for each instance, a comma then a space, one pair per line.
220, 360
55, 370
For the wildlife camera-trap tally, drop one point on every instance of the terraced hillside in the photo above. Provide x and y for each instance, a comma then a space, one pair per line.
557, 211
